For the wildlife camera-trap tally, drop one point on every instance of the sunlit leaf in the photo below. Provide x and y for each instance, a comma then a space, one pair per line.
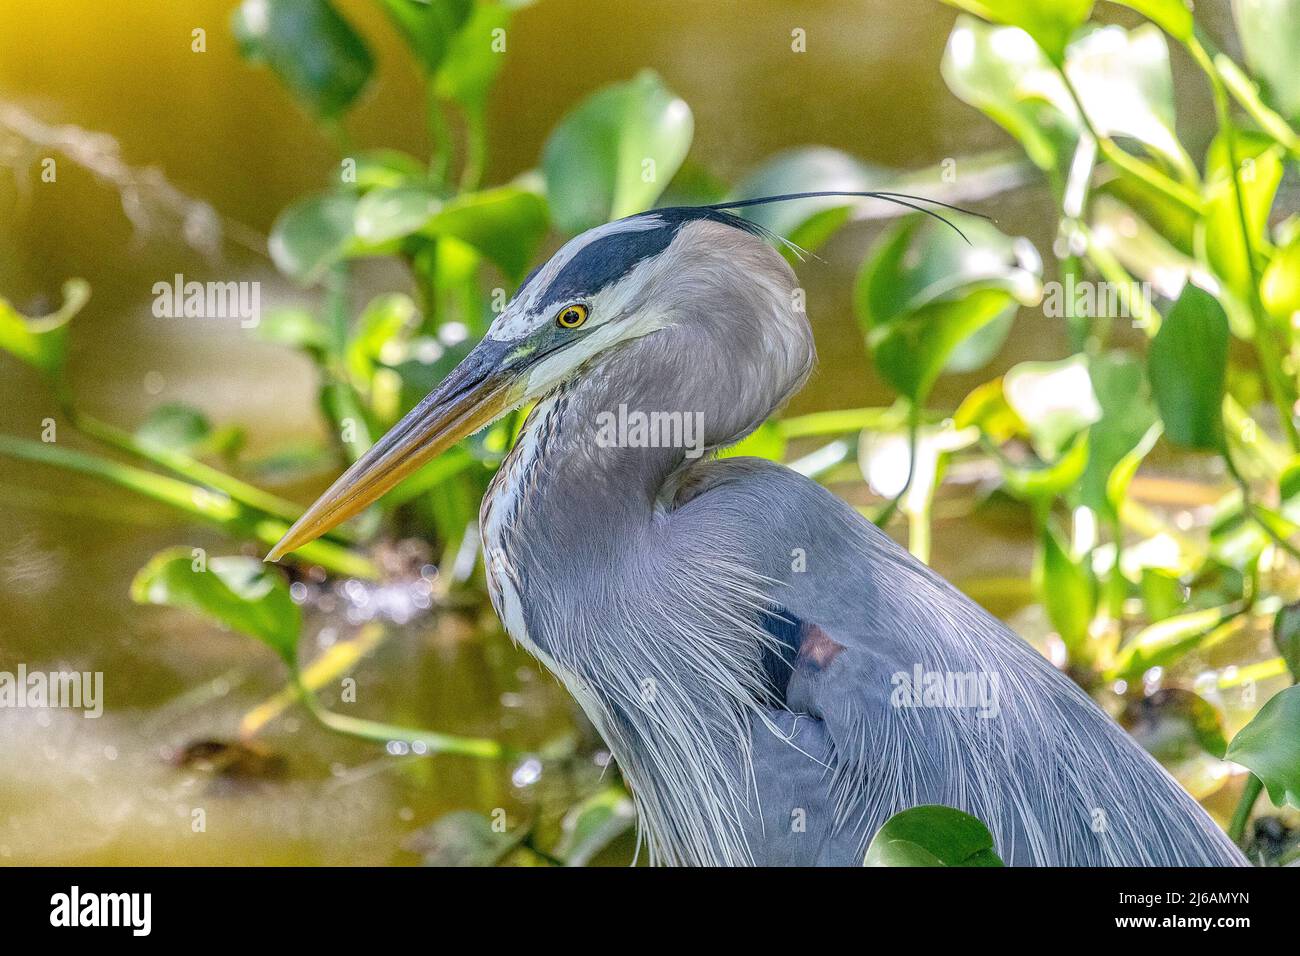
241, 593
1280, 287
295, 327
1042, 482
1127, 413
594, 824
184, 428
1186, 363
1165, 641
309, 46
932, 836
474, 56
1050, 22
614, 154
1259, 171
1055, 400
1173, 16
504, 225
765, 441
1270, 36
1002, 72
1270, 746
42, 341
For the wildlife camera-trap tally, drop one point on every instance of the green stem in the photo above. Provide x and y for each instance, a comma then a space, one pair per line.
1249, 794
212, 507
435, 743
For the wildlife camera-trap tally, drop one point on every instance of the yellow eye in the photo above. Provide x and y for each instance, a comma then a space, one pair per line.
571, 316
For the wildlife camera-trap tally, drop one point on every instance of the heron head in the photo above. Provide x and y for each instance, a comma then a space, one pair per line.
702, 271
604, 289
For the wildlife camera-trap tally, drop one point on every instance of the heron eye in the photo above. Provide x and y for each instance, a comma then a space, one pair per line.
571, 316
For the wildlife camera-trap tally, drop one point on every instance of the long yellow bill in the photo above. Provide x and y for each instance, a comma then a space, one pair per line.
477, 392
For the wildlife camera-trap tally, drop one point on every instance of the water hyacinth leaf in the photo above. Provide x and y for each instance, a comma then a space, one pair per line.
381, 322
1119, 383
504, 225
1286, 637
42, 341
428, 26
474, 56
1127, 89
1055, 400
593, 824
312, 235
243, 594
1279, 289
380, 169
1003, 73
393, 212
1050, 22
294, 327
1042, 482
464, 838
1165, 641
1172, 16
765, 441
932, 836
311, 48
926, 292
615, 153
1259, 172
1270, 746
1068, 590
808, 222
1270, 36
1187, 366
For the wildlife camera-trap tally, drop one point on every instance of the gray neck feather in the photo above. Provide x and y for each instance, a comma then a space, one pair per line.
652, 622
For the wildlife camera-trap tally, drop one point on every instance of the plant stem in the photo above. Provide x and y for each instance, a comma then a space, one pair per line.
1249, 794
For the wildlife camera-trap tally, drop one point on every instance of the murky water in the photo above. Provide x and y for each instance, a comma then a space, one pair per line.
130, 786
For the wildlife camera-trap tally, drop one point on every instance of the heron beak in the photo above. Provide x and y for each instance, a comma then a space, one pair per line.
476, 392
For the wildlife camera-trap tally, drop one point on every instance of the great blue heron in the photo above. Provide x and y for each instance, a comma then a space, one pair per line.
773, 673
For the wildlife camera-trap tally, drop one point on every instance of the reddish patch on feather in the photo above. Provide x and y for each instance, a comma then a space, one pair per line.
818, 648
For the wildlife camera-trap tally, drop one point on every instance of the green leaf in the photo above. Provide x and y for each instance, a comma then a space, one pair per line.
312, 235
296, 328
474, 58
1279, 289
1068, 591
241, 593
1002, 73
1259, 172
1173, 16
175, 427
381, 322
614, 154
428, 26
505, 225
464, 838
932, 836
1165, 642
1127, 415
1270, 36
1270, 746
925, 292
1126, 86
765, 441
1050, 22
393, 212
1175, 724
1042, 482
808, 222
1286, 637
310, 47
595, 823
42, 341
1187, 364
1055, 400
